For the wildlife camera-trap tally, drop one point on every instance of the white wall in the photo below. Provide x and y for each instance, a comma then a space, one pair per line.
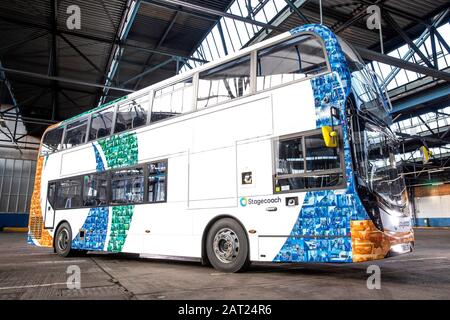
433, 207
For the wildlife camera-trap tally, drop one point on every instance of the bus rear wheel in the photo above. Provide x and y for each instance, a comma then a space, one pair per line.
63, 240
227, 246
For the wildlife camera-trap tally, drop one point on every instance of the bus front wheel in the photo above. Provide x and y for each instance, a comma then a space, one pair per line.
227, 246
63, 240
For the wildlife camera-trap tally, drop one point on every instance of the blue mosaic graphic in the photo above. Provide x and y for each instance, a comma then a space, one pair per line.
98, 159
322, 230
95, 227
316, 250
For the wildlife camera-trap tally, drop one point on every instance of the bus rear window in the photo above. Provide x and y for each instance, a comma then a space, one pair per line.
52, 141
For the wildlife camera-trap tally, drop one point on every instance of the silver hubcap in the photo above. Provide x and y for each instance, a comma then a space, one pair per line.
63, 240
226, 245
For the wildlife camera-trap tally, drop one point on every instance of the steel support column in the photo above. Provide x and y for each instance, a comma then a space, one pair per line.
61, 79
158, 45
406, 38
297, 11
149, 70
203, 9
376, 56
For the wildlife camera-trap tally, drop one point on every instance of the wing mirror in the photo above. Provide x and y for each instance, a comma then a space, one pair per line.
330, 137
426, 154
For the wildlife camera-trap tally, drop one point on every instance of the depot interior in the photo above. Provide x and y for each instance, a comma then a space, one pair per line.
49, 72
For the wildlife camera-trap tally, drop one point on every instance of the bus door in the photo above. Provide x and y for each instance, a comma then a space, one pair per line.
49, 219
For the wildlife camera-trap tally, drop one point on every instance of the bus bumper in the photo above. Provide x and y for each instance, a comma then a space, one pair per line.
369, 243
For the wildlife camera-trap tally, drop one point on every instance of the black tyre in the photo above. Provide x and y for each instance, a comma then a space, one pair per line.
227, 246
63, 240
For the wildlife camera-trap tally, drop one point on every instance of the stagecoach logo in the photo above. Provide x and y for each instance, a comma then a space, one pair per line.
244, 201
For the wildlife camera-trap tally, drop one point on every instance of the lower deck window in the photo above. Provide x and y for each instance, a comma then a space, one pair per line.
127, 186
95, 190
304, 162
68, 195
157, 176
146, 183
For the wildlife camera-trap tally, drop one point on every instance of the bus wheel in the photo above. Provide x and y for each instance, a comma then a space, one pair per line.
63, 240
227, 246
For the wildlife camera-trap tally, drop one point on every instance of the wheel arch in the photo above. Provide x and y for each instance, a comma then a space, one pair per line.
56, 230
205, 260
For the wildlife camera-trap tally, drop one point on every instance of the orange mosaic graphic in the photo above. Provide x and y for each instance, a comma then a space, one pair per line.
36, 222
369, 243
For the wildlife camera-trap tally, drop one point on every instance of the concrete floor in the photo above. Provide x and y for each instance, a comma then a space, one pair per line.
28, 272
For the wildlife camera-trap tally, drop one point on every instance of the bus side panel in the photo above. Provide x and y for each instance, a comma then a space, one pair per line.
37, 235
293, 112
47, 169
293, 109
212, 179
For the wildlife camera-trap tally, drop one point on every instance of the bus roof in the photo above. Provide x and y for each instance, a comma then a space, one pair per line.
193, 71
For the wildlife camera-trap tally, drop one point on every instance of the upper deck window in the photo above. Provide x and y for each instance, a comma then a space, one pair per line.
172, 100
291, 60
132, 115
225, 82
101, 124
52, 141
75, 134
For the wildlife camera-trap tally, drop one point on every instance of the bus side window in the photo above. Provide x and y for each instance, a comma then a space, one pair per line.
75, 134
157, 181
52, 141
289, 61
101, 123
304, 162
95, 190
225, 82
318, 156
51, 196
130, 116
172, 100
69, 194
124, 119
127, 186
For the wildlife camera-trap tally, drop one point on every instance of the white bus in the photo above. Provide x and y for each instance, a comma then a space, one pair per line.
279, 152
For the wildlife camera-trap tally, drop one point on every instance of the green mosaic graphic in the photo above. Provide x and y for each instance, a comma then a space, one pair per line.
120, 150
120, 224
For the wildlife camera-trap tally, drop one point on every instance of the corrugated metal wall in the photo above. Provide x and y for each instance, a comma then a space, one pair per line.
16, 185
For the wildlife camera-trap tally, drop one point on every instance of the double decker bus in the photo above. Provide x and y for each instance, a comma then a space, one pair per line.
280, 152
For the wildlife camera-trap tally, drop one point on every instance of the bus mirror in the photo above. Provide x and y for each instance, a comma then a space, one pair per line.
329, 137
335, 113
426, 153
